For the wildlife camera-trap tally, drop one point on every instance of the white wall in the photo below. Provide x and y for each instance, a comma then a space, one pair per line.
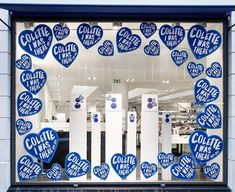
5, 77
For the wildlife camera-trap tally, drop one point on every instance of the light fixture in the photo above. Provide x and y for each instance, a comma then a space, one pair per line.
117, 25
91, 78
94, 78
59, 84
58, 76
127, 80
93, 24
132, 80
165, 81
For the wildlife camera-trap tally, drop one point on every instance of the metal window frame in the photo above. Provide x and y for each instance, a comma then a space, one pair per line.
123, 16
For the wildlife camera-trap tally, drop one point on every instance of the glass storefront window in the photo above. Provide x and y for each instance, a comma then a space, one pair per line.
119, 101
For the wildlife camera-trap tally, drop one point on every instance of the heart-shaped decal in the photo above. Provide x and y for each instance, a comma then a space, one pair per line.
153, 49
27, 169
194, 69
179, 57
42, 145
60, 32
214, 71
33, 81
126, 41
211, 118
75, 166
101, 171
24, 63
204, 92
165, 160
36, 42
23, 126
55, 173
88, 35
185, 168
65, 54
205, 148
212, 171
106, 49
123, 165
202, 42
27, 105
171, 36
148, 169
148, 29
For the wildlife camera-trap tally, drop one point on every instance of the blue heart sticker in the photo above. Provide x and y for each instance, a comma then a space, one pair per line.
214, 71
179, 57
123, 165
55, 173
194, 69
204, 92
89, 35
60, 32
148, 169
75, 166
202, 42
42, 145
23, 126
153, 49
148, 29
27, 105
106, 49
65, 54
171, 36
126, 41
203, 147
165, 160
211, 118
24, 63
101, 171
27, 169
212, 171
33, 81
185, 168
36, 42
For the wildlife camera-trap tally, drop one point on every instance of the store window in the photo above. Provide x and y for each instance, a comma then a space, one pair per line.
119, 101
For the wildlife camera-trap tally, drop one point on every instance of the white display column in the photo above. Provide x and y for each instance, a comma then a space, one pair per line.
166, 141
95, 142
149, 131
78, 128
113, 130
131, 139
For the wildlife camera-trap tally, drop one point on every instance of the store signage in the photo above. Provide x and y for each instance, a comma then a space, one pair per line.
27, 105
165, 160
132, 118
185, 168
123, 165
89, 35
211, 118
75, 166
204, 92
212, 171
24, 63
203, 147
60, 32
101, 171
171, 36
33, 81
55, 173
79, 102
148, 29
95, 118
36, 42
214, 71
179, 57
194, 69
23, 126
151, 102
152, 49
27, 169
42, 145
65, 54
126, 41
106, 49
202, 42
148, 169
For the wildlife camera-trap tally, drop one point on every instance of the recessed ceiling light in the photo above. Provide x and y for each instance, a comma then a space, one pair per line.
58, 76
94, 78
127, 80
89, 78
132, 80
